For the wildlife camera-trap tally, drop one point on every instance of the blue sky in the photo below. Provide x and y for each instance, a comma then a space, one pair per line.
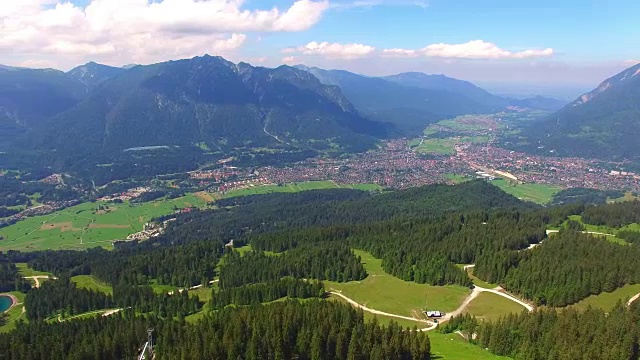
572, 44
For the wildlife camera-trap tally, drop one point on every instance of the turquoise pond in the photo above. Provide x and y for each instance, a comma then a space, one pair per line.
5, 303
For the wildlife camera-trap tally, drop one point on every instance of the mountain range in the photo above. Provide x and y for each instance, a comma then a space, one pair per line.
96, 109
604, 123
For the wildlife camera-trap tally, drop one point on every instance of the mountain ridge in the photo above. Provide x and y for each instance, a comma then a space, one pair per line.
604, 122
211, 100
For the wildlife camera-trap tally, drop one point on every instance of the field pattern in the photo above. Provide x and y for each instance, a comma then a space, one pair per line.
84, 226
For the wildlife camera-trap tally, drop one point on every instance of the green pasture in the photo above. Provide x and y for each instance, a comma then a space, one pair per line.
25, 270
455, 347
537, 193
91, 283
490, 307
383, 292
607, 301
84, 226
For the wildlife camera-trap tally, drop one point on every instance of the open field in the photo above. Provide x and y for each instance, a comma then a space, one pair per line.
607, 301
296, 187
91, 283
15, 314
489, 307
537, 193
437, 146
25, 270
455, 347
602, 229
84, 226
383, 292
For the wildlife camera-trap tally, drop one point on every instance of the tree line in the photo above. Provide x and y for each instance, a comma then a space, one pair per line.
287, 330
330, 261
266, 292
566, 334
63, 297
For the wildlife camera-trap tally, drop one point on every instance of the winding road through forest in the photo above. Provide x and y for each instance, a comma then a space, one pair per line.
432, 325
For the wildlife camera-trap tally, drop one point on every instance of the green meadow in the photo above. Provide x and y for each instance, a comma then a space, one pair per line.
607, 301
490, 307
91, 283
537, 193
383, 292
84, 226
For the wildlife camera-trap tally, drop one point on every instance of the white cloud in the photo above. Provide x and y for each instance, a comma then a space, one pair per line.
291, 60
140, 31
352, 4
333, 50
400, 53
476, 49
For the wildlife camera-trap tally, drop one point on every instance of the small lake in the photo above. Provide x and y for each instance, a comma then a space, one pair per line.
5, 303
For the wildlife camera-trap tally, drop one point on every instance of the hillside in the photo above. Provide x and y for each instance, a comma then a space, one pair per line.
604, 123
208, 100
92, 74
410, 108
28, 97
445, 83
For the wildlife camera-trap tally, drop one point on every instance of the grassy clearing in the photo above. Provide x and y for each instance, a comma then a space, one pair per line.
162, 289
607, 301
384, 292
455, 347
437, 146
384, 320
91, 283
83, 226
25, 270
15, 314
611, 232
458, 179
204, 294
489, 307
537, 193
244, 249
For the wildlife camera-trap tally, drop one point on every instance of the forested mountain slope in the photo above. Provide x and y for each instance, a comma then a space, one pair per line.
210, 100
28, 97
445, 83
92, 74
408, 107
604, 123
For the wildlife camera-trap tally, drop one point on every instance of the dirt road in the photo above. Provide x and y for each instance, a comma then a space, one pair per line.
35, 279
432, 325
